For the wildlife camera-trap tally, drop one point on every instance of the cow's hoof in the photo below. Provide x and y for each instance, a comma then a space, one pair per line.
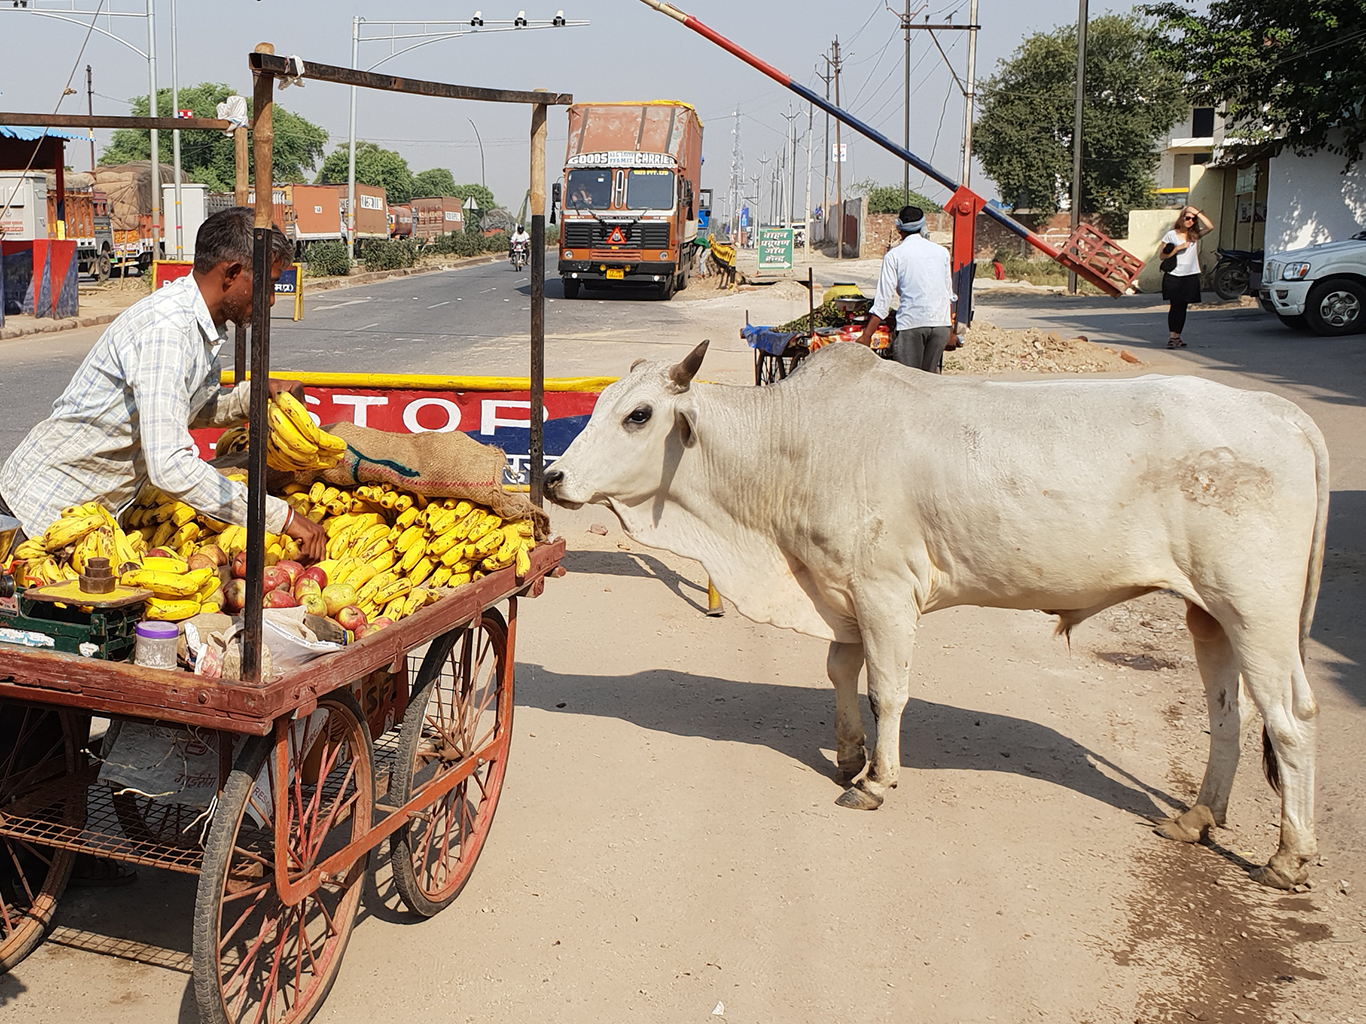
1191, 827
1282, 872
850, 769
859, 798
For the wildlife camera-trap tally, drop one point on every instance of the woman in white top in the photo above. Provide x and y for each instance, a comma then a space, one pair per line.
1181, 284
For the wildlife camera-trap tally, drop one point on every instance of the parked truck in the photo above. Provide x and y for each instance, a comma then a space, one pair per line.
32, 202
629, 198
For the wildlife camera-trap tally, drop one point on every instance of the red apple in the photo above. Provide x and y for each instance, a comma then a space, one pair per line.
383, 622
235, 595
199, 560
338, 596
350, 617
315, 573
219, 556
359, 632
275, 578
306, 585
160, 553
313, 604
239, 565
280, 599
293, 568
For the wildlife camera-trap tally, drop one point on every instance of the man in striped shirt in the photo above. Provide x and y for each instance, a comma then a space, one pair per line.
126, 416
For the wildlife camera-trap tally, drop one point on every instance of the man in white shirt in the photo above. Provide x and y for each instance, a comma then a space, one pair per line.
917, 272
125, 418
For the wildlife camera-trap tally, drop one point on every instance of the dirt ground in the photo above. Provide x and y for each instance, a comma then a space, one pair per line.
668, 848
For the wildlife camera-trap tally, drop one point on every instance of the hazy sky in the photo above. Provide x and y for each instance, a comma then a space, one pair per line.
627, 52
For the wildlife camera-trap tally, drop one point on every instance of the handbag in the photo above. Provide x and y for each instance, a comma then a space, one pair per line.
1167, 265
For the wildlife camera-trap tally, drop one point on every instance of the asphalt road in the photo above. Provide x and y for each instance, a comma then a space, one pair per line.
469, 320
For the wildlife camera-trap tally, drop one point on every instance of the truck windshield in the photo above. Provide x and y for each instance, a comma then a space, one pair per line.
649, 190
589, 190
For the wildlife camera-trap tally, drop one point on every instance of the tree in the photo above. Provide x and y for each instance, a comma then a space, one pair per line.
891, 198
1281, 69
374, 166
1024, 132
482, 196
434, 182
207, 157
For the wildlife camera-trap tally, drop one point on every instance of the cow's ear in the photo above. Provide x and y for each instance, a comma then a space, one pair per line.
636, 364
682, 373
687, 425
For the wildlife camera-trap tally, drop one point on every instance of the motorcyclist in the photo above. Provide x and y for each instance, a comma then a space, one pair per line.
520, 239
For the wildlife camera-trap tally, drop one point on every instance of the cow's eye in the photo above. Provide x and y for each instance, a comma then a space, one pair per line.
639, 416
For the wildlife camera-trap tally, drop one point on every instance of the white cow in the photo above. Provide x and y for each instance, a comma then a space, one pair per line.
857, 495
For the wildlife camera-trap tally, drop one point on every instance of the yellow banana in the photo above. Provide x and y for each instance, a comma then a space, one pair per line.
164, 584
421, 570
408, 538
297, 414
171, 610
30, 549
362, 574
415, 600
69, 529
372, 587
315, 493
182, 514
407, 517
285, 433
158, 563
385, 594
440, 545
384, 560
210, 607
163, 534
440, 576
187, 532
523, 562
403, 502
459, 579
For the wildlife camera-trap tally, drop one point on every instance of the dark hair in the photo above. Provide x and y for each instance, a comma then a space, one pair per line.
226, 237
910, 214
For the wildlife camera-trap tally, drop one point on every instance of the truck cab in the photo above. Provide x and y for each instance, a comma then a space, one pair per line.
629, 200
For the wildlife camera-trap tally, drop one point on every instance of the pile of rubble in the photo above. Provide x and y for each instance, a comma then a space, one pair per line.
990, 349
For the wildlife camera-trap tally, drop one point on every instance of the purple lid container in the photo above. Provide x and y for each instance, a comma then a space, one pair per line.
155, 630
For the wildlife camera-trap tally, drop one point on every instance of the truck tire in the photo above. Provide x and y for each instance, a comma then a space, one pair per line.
667, 288
102, 268
1336, 307
1230, 280
571, 288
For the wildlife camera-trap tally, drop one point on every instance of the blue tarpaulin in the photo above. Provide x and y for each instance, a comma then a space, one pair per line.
766, 339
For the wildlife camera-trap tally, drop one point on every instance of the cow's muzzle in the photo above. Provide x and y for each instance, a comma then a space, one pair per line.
551, 483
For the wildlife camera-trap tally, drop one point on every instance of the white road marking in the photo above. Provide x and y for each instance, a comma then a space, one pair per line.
446, 303
338, 305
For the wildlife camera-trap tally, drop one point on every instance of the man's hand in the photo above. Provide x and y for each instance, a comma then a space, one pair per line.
869, 329
294, 387
311, 537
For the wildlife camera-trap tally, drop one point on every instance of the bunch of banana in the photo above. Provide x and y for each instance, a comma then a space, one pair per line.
178, 592
231, 441
279, 546
80, 533
295, 443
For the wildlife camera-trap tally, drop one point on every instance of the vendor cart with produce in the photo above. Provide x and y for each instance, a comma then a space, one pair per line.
841, 316
271, 723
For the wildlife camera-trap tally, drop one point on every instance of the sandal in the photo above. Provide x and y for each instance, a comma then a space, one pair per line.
90, 870
1175, 343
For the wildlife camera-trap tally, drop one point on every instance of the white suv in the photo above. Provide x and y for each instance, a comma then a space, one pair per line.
1321, 288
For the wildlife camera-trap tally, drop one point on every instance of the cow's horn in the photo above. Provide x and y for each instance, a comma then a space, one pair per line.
681, 374
636, 363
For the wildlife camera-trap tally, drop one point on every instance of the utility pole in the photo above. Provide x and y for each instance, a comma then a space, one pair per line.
1076, 130
827, 78
970, 98
806, 233
836, 63
90, 109
763, 177
906, 170
737, 177
175, 142
156, 146
754, 221
792, 193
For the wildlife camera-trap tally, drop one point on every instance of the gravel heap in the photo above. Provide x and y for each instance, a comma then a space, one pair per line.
990, 349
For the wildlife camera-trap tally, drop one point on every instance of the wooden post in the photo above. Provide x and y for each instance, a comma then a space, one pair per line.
537, 445
262, 137
241, 191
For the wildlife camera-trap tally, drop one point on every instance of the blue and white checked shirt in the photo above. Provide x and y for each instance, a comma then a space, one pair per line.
125, 418
918, 271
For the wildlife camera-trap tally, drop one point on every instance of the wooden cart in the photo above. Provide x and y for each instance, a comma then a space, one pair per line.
309, 785
308, 782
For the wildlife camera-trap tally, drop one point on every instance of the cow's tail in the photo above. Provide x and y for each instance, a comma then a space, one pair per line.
1314, 573
1315, 569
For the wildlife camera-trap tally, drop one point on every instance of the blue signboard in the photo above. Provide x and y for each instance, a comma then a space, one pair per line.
744, 216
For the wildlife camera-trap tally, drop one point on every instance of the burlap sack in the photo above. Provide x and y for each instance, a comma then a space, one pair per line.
447, 465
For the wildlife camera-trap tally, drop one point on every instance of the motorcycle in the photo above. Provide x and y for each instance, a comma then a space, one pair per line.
518, 255
1237, 272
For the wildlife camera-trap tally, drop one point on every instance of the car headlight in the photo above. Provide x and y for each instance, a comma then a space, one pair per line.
1295, 272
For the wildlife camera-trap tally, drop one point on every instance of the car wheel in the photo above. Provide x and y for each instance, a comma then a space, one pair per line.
1295, 323
1336, 307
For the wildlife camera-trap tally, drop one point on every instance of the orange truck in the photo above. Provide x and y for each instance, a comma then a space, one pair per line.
630, 196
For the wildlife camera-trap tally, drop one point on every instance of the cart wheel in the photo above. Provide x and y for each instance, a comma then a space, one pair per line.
257, 958
466, 708
37, 745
